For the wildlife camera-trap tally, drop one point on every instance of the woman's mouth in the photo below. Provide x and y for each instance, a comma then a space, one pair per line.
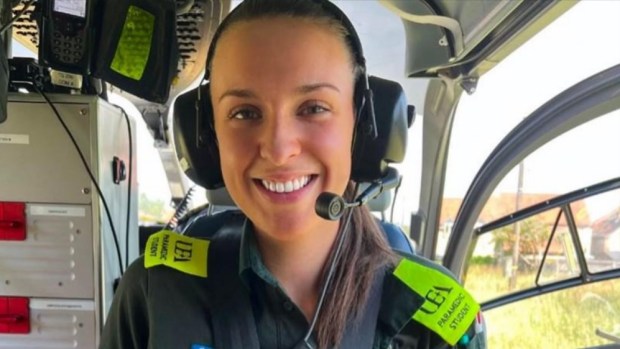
288, 186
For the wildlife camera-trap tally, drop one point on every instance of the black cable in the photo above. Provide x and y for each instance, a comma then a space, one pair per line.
129, 179
10, 23
335, 258
90, 174
130, 176
330, 275
180, 210
400, 181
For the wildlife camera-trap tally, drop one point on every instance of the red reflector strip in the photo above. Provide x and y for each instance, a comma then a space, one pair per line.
12, 221
14, 315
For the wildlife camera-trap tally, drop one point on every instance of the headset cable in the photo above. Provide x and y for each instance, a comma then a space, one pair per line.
90, 174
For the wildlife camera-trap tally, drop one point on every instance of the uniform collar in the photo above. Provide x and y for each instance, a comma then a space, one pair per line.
250, 260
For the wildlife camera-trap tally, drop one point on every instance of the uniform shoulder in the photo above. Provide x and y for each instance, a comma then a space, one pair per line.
134, 281
442, 305
423, 263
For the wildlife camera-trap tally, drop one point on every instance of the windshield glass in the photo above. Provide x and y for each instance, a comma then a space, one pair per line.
574, 47
383, 41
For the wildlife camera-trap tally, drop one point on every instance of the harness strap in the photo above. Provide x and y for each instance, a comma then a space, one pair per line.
361, 333
233, 320
232, 317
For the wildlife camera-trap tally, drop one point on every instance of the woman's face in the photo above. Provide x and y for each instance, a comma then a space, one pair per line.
282, 93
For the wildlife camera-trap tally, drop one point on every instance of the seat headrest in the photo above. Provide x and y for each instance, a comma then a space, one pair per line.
220, 197
201, 163
381, 202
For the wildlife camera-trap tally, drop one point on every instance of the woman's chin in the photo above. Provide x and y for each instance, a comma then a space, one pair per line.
288, 228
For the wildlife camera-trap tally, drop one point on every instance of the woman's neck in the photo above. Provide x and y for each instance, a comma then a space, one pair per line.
298, 264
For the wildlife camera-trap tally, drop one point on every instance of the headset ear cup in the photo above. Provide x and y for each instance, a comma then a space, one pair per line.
371, 155
360, 135
194, 137
211, 163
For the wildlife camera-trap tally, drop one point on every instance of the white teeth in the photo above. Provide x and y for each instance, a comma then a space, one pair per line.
286, 187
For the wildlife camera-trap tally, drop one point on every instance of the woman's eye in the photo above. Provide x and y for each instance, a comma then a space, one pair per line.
313, 109
244, 114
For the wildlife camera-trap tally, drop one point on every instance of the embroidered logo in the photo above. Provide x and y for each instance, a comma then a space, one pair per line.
448, 309
180, 252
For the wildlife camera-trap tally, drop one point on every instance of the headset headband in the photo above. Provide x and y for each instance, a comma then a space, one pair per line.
337, 14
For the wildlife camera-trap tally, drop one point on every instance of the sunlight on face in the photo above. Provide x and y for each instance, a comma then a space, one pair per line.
282, 92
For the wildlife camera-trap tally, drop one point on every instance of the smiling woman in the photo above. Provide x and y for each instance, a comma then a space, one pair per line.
281, 129
288, 114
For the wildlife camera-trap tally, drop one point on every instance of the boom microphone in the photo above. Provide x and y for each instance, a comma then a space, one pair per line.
332, 206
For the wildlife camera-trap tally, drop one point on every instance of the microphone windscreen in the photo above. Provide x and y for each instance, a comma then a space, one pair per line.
330, 206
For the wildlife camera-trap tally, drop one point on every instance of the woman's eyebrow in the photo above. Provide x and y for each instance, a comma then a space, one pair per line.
238, 93
313, 87
303, 89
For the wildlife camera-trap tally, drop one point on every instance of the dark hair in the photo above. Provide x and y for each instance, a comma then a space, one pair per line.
310, 9
366, 251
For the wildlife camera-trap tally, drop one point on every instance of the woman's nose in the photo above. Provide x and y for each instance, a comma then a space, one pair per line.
280, 140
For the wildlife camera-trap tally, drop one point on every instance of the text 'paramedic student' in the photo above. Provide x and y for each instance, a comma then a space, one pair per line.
288, 119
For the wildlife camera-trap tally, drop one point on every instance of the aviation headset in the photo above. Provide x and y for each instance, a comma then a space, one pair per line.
379, 138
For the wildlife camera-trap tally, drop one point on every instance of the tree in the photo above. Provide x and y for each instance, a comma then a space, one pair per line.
150, 210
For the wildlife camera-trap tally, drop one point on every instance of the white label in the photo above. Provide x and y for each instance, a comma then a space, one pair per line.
71, 7
61, 304
14, 139
63, 211
66, 79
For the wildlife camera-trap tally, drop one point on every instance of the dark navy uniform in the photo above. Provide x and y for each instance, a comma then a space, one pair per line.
172, 305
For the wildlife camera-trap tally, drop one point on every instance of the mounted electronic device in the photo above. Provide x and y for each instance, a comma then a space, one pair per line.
67, 35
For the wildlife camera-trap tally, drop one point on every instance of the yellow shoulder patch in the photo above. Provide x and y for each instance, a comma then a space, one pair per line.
188, 255
448, 309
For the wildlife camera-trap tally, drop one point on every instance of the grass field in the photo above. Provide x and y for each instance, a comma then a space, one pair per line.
563, 319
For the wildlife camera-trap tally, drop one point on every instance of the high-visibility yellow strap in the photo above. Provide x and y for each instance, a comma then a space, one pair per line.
134, 46
180, 252
448, 309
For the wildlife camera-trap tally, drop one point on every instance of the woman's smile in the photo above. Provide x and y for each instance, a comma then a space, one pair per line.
286, 192
286, 187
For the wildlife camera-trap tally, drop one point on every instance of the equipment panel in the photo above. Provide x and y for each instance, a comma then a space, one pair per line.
55, 259
56, 323
60, 250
